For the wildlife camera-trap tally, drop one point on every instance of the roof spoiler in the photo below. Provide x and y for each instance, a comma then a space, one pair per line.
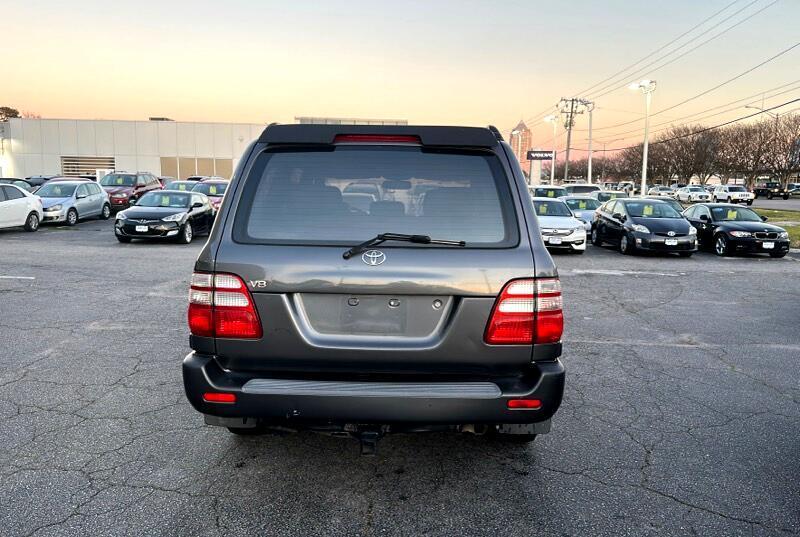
428, 135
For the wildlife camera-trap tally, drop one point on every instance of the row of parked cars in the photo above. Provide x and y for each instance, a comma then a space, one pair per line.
653, 223
146, 206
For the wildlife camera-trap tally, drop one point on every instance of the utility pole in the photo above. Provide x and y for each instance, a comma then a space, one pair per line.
568, 108
554, 120
647, 87
590, 107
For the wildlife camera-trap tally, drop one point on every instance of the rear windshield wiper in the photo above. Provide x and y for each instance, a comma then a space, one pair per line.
383, 237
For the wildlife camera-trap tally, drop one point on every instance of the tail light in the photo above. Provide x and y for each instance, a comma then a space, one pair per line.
221, 306
375, 139
527, 311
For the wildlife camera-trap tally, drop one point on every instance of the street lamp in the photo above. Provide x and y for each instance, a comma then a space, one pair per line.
647, 87
554, 120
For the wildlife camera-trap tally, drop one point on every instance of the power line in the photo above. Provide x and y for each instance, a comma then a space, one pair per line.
700, 131
642, 69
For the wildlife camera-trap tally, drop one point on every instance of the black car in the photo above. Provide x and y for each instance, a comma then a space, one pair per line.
636, 224
730, 229
438, 308
771, 189
183, 186
39, 180
166, 214
675, 204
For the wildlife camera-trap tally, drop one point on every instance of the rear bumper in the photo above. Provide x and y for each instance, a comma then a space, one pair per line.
307, 401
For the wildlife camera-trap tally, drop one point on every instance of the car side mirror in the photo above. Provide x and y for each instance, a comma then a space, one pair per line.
704, 217
196, 205
80, 196
764, 218
617, 216
132, 202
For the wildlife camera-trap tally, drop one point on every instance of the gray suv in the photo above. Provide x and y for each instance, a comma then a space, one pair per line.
361, 280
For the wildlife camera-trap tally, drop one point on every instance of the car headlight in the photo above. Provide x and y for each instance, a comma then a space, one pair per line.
121, 216
692, 230
174, 217
639, 228
784, 235
119, 195
741, 234
54, 207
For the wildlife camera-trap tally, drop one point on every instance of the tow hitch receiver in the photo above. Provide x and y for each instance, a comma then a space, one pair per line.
368, 441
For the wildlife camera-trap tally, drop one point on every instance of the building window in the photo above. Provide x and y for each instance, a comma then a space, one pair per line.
75, 166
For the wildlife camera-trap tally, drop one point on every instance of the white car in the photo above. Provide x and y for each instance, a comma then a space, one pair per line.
558, 226
19, 208
733, 194
692, 194
660, 191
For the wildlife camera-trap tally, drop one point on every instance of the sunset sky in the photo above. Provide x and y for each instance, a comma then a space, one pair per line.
436, 62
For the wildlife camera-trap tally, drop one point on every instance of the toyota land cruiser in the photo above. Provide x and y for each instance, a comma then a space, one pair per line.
426, 301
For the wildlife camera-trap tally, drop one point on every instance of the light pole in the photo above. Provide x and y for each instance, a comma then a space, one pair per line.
647, 87
605, 157
554, 120
590, 107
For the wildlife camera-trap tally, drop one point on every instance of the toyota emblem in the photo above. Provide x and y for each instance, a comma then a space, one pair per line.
670, 233
373, 257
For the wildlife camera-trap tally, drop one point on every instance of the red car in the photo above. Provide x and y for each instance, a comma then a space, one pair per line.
123, 187
214, 189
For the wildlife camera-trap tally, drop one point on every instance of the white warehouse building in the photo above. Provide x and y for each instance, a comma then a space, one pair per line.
85, 147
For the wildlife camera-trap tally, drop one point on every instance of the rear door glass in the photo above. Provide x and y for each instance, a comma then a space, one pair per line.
350, 194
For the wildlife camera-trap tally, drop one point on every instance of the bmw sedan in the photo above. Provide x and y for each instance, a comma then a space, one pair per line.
166, 214
559, 227
643, 225
729, 229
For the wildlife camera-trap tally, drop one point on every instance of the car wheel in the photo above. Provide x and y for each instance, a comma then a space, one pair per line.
595, 237
187, 234
769, 196
785, 196
721, 245
777, 255
625, 245
72, 217
749, 202
32, 222
124, 240
105, 214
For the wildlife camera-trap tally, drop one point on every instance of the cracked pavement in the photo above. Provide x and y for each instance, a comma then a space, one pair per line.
681, 413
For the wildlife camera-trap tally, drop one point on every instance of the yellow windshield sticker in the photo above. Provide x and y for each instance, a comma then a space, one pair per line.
542, 209
732, 214
181, 187
120, 180
551, 193
581, 205
165, 201
647, 210
212, 190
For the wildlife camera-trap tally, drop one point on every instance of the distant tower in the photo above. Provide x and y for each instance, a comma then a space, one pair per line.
520, 142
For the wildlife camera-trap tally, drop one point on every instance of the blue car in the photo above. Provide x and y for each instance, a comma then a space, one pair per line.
69, 201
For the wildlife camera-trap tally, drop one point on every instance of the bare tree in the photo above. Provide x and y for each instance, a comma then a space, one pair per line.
744, 150
783, 156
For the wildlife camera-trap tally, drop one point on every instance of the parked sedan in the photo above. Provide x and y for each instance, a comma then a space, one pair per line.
669, 201
583, 208
214, 189
559, 228
692, 194
69, 201
605, 195
18, 207
729, 229
581, 188
22, 183
166, 214
640, 224
660, 191
547, 191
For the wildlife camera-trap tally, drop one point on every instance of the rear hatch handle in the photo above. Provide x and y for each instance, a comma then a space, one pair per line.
383, 237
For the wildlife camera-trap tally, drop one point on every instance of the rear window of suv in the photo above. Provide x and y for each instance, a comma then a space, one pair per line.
349, 194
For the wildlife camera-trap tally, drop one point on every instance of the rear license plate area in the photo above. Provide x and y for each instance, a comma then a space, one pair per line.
380, 315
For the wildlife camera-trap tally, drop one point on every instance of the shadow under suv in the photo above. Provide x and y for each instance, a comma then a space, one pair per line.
431, 305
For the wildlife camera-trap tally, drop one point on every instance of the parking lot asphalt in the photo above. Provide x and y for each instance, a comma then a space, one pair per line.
792, 204
681, 413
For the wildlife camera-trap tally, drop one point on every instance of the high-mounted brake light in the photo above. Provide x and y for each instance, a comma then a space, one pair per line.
527, 311
375, 139
221, 306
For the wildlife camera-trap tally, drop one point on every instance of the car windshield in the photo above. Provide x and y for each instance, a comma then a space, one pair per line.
548, 192
582, 204
210, 189
163, 199
695, 189
551, 208
181, 185
583, 189
300, 197
736, 189
56, 190
117, 179
734, 214
605, 196
641, 209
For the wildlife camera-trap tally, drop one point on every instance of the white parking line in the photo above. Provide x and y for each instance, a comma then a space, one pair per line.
17, 278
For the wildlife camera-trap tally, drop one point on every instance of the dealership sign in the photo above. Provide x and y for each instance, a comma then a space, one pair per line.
540, 155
